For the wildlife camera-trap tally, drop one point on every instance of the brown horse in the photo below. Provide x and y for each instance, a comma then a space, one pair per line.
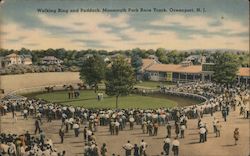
49, 89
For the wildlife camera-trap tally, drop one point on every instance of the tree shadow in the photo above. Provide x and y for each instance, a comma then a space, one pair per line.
194, 142
194, 138
73, 100
193, 129
160, 138
106, 135
103, 131
79, 153
69, 136
144, 136
193, 133
76, 142
136, 133
228, 145
78, 146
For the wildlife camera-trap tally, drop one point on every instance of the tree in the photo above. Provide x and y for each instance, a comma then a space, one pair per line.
136, 63
226, 68
93, 71
24, 51
161, 54
119, 79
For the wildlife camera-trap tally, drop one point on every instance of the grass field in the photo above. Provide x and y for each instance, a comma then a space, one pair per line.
88, 99
153, 84
145, 84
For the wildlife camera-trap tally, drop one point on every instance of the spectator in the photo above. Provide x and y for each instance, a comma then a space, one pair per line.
104, 150
61, 134
236, 135
166, 145
175, 147
128, 148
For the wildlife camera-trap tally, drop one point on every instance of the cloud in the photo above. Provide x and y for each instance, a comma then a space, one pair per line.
102, 31
18, 39
146, 43
40, 39
89, 43
31, 44
206, 26
89, 24
215, 23
116, 30
3, 33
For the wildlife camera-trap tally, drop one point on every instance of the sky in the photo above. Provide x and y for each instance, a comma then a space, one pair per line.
223, 25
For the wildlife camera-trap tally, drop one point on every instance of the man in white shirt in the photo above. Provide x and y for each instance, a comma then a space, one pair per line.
166, 145
131, 122
175, 147
76, 128
71, 121
25, 114
117, 124
183, 127
128, 148
143, 146
214, 124
202, 134
89, 133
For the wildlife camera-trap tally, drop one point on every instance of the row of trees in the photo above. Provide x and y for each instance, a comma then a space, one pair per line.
94, 69
118, 77
74, 57
22, 69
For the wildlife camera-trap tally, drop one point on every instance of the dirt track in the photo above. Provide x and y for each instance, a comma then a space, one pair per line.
189, 146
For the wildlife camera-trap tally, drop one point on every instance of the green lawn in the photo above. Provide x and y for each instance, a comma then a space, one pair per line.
88, 99
153, 84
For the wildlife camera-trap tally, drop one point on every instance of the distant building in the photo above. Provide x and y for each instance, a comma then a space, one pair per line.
174, 72
51, 60
186, 72
115, 56
153, 57
14, 59
87, 56
196, 59
243, 75
186, 63
26, 59
106, 59
146, 63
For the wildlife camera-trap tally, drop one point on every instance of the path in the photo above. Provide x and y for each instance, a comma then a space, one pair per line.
189, 146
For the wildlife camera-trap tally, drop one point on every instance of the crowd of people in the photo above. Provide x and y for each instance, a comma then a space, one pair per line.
27, 145
220, 98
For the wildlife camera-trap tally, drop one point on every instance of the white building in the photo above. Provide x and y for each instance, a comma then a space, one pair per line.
153, 57
14, 59
27, 61
196, 59
51, 60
